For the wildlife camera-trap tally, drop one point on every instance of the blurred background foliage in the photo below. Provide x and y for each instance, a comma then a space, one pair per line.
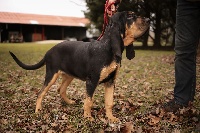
161, 13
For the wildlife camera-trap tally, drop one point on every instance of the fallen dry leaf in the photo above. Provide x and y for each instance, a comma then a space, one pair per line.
128, 128
173, 117
153, 119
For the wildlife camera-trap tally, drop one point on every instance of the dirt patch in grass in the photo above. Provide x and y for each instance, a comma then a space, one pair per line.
142, 84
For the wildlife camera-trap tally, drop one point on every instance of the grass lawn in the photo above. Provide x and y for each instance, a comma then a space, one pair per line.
142, 84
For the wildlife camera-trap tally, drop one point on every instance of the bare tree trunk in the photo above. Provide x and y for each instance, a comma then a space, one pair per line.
173, 40
157, 41
145, 40
198, 50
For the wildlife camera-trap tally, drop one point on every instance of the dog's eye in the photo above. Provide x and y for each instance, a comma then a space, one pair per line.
131, 15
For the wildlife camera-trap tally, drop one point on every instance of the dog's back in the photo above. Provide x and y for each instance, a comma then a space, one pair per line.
78, 58
69, 57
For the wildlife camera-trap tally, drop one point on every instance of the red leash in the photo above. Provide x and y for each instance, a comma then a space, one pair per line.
107, 7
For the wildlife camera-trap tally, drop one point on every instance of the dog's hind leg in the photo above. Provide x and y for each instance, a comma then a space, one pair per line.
44, 90
66, 80
109, 91
63, 81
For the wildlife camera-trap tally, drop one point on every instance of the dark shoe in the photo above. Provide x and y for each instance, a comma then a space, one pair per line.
171, 106
197, 128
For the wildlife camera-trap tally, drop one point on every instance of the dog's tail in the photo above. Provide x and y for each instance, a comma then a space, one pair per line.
28, 67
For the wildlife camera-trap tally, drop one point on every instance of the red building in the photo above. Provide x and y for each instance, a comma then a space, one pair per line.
19, 27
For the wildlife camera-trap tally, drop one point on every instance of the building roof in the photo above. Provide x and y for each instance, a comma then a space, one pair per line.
35, 19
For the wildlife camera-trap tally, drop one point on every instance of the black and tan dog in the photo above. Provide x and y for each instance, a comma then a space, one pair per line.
94, 62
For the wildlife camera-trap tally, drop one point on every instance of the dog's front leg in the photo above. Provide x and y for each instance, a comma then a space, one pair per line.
109, 91
88, 102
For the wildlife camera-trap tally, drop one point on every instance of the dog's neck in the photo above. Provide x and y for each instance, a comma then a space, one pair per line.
111, 29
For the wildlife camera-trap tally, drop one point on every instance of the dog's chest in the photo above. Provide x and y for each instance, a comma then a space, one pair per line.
107, 70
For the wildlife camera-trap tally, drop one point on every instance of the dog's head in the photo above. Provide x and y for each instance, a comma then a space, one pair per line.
135, 26
131, 27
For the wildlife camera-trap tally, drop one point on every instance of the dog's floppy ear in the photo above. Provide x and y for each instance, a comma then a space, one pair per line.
116, 41
130, 52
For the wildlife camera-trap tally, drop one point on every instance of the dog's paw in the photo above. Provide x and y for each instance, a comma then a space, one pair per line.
38, 110
113, 119
90, 118
71, 102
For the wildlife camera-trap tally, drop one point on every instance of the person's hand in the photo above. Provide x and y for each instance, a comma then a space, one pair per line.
112, 7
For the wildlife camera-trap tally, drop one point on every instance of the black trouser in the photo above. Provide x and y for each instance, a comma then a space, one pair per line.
186, 42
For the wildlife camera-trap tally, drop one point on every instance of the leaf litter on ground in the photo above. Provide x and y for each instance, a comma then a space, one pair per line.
141, 85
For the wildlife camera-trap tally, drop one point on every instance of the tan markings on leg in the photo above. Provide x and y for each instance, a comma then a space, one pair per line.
66, 80
44, 91
109, 90
88, 102
107, 70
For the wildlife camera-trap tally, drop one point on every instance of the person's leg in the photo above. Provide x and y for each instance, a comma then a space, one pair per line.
186, 41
